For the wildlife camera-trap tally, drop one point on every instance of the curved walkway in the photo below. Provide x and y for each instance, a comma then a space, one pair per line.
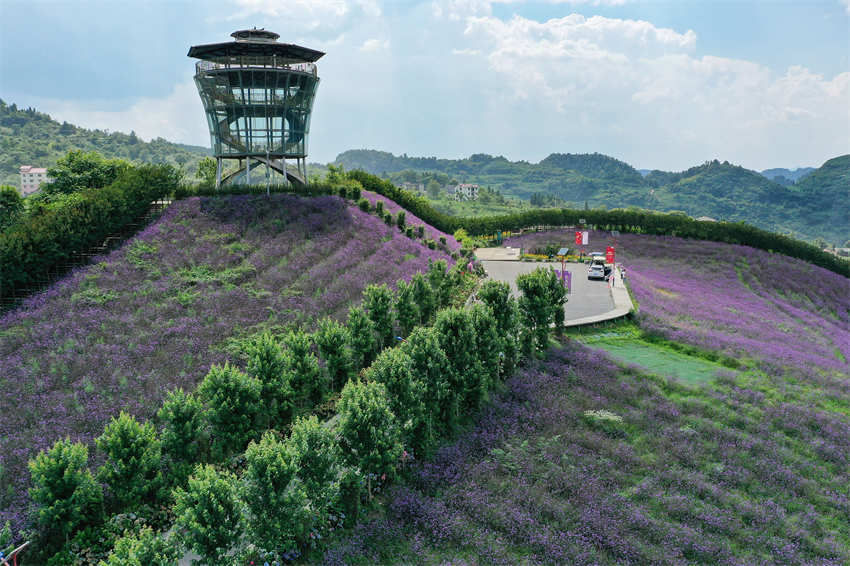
588, 303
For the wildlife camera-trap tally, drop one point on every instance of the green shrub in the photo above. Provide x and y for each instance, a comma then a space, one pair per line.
406, 310
361, 331
538, 306
65, 494
11, 205
379, 208
183, 435
420, 230
332, 340
423, 298
408, 231
369, 437
233, 403
363, 204
456, 334
267, 364
388, 218
145, 548
279, 513
208, 514
314, 448
400, 219
378, 302
132, 466
405, 391
443, 242
430, 365
306, 379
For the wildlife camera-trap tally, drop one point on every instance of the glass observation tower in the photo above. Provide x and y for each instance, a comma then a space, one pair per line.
257, 95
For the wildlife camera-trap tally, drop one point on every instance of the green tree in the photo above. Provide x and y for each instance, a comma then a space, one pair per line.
378, 301
369, 436
145, 548
407, 312
11, 205
557, 299
405, 392
535, 304
488, 347
279, 513
208, 514
497, 296
308, 383
207, 169
430, 364
440, 282
183, 434
433, 189
80, 170
315, 450
64, 492
332, 340
423, 298
400, 220
132, 469
361, 331
456, 333
267, 363
233, 403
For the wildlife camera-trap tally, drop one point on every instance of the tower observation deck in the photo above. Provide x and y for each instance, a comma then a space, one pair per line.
258, 96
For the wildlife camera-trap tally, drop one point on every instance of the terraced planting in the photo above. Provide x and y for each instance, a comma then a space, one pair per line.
580, 461
177, 298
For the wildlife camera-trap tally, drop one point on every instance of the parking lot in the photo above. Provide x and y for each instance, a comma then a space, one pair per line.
587, 299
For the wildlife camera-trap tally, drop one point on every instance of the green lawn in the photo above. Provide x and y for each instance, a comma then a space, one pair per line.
655, 358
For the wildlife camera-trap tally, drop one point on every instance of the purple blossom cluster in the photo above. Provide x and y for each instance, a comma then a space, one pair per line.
689, 477
158, 312
580, 461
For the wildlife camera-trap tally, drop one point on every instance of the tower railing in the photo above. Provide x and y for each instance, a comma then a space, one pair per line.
256, 63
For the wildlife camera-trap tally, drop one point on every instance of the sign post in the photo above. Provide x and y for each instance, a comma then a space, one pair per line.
609, 254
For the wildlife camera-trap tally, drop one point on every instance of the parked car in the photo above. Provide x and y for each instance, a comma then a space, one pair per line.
597, 271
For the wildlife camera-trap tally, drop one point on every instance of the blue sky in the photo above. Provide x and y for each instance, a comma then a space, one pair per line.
661, 84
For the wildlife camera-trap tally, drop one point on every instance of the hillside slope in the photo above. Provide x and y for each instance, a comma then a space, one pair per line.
29, 137
716, 189
584, 461
158, 312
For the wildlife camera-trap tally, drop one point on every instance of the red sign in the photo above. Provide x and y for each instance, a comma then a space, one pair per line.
609, 255
578, 238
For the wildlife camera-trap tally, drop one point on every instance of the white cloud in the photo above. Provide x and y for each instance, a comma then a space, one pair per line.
594, 77
375, 44
310, 13
177, 117
846, 4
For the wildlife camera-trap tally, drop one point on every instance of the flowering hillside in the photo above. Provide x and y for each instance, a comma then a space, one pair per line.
158, 312
583, 462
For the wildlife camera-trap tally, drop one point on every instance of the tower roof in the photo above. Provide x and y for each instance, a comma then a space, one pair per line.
255, 42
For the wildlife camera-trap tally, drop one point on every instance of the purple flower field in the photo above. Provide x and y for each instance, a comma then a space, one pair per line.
411, 220
580, 461
158, 312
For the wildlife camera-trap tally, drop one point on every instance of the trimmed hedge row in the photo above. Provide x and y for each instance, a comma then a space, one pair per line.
634, 221
33, 247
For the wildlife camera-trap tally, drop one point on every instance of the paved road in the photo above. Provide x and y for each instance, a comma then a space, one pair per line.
588, 298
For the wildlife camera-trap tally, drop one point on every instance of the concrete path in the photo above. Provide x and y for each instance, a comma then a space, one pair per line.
589, 302
498, 254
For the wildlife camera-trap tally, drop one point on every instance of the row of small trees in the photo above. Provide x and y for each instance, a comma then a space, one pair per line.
282, 382
281, 495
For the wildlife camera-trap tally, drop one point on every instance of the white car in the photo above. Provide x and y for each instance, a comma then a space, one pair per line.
596, 271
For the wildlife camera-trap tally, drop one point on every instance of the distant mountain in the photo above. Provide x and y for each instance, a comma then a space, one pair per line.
29, 137
787, 176
813, 208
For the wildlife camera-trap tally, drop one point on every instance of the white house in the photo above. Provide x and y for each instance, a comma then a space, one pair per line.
466, 191
32, 178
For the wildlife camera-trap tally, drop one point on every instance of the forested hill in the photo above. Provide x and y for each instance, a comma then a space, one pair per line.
29, 137
817, 206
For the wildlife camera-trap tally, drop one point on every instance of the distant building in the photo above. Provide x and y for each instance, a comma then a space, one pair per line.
412, 187
466, 191
32, 178
706, 219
